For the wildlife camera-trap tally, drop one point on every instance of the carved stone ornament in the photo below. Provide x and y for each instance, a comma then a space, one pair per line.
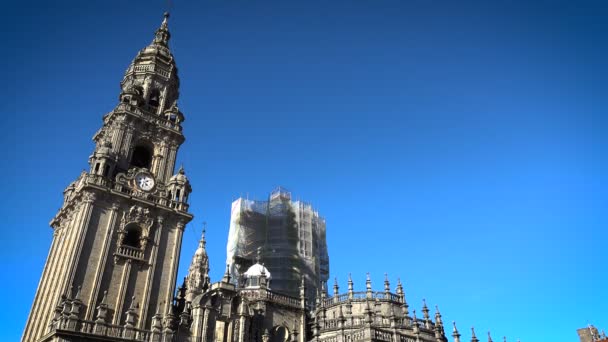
128, 179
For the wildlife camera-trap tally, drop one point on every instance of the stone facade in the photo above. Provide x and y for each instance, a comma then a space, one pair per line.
111, 271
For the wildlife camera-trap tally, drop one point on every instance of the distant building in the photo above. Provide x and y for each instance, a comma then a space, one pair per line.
287, 236
591, 334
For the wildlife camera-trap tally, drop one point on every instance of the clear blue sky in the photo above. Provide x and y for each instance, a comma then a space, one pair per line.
458, 145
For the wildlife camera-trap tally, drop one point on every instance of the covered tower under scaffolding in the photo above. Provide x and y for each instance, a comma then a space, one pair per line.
287, 236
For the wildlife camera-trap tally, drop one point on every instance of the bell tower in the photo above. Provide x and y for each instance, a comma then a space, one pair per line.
112, 265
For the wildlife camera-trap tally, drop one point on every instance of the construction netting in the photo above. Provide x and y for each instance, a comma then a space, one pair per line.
287, 236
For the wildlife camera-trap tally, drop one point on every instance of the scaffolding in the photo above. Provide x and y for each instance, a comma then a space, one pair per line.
287, 236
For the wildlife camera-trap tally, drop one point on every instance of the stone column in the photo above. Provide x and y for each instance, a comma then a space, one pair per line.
101, 264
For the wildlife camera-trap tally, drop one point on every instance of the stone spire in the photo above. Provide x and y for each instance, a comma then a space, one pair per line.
473, 337
197, 280
336, 288
455, 333
387, 284
438, 322
151, 82
425, 312
226, 277
162, 35
489, 337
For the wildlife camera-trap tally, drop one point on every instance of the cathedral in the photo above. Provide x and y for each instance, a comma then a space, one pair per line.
111, 271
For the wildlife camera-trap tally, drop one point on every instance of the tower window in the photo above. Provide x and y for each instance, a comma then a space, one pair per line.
142, 157
132, 237
154, 98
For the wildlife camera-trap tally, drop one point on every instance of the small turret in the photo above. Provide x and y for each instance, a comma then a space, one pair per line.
473, 337
351, 290
257, 276
439, 332
226, 277
179, 188
103, 160
387, 284
427, 318
368, 286
197, 279
455, 333
416, 328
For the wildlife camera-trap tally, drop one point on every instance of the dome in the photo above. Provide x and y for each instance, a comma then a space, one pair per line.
180, 177
256, 271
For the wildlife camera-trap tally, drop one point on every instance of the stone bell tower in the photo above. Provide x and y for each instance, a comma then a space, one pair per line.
112, 265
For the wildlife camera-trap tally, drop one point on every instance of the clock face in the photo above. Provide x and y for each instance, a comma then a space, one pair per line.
144, 181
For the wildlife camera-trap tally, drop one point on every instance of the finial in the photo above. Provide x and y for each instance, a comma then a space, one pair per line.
387, 285
77, 296
438, 320
226, 278
473, 337
162, 35
425, 310
202, 241
350, 279
181, 169
455, 333
504, 339
489, 337
104, 298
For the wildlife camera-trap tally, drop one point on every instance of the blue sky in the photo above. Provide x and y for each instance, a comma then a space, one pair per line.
458, 145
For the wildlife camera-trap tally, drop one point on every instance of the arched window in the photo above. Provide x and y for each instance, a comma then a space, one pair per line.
142, 157
132, 238
154, 98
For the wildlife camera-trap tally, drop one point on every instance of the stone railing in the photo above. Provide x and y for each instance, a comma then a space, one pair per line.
259, 294
378, 321
366, 334
151, 68
106, 330
130, 252
350, 336
360, 296
148, 115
